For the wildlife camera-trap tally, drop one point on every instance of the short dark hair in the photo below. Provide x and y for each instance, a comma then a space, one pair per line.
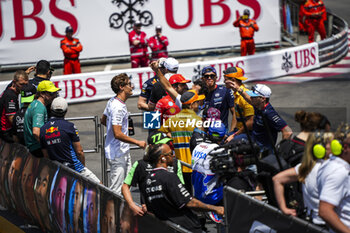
153, 154
204, 88
42, 67
118, 81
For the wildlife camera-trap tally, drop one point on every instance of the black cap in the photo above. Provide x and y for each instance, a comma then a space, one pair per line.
43, 66
69, 29
27, 93
157, 137
246, 12
137, 23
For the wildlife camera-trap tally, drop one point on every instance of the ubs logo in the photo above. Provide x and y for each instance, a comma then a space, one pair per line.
287, 64
116, 20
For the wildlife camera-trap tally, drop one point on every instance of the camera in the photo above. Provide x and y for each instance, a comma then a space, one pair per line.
226, 158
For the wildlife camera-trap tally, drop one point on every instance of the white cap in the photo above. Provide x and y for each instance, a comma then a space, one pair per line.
159, 27
137, 22
171, 64
260, 90
59, 104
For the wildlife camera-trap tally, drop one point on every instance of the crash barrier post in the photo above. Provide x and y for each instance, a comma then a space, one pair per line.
335, 47
58, 199
245, 214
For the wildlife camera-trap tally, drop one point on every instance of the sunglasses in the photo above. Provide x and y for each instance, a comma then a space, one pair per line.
207, 76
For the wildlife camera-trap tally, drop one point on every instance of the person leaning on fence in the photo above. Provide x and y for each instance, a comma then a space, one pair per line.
141, 168
59, 140
166, 197
115, 118
36, 116
9, 104
317, 150
333, 183
267, 123
247, 27
180, 128
168, 68
236, 74
27, 96
158, 44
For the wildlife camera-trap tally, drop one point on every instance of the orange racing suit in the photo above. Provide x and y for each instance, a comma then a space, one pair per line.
315, 15
247, 29
71, 50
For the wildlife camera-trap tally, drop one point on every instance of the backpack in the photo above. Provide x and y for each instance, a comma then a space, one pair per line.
291, 151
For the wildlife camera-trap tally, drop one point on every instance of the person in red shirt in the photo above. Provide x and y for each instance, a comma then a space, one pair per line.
71, 48
138, 47
302, 26
247, 27
166, 106
158, 44
315, 15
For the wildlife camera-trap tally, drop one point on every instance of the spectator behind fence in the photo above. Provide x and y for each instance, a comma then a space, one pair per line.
36, 116
9, 104
317, 150
168, 68
219, 97
71, 48
333, 183
140, 170
138, 46
43, 71
235, 74
315, 15
180, 128
267, 123
158, 44
60, 140
167, 198
115, 118
27, 96
247, 27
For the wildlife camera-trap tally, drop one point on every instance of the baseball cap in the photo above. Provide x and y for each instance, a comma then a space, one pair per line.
69, 29
59, 104
260, 90
217, 130
47, 86
28, 93
211, 114
191, 96
171, 64
178, 78
43, 66
138, 23
208, 69
158, 27
235, 72
246, 12
157, 137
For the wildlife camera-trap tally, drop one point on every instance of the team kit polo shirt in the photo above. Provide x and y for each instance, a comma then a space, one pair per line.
166, 197
275, 123
35, 116
8, 107
222, 99
57, 136
117, 114
147, 87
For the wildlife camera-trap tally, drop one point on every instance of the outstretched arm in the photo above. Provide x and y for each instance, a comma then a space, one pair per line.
200, 206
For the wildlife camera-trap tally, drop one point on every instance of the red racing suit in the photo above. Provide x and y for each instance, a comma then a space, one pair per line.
158, 46
247, 29
138, 53
167, 107
71, 50
315, 15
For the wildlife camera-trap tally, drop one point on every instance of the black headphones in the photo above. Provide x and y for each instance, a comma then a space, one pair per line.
319, 148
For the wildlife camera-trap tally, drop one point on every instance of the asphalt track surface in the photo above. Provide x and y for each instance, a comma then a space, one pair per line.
329, 96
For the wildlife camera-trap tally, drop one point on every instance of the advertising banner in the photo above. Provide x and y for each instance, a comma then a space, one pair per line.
31, 30
245, 214
96, 86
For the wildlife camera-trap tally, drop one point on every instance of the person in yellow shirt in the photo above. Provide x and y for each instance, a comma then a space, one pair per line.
180, 128
236, 74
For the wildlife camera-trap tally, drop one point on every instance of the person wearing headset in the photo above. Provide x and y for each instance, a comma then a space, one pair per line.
333, 183
317, 150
